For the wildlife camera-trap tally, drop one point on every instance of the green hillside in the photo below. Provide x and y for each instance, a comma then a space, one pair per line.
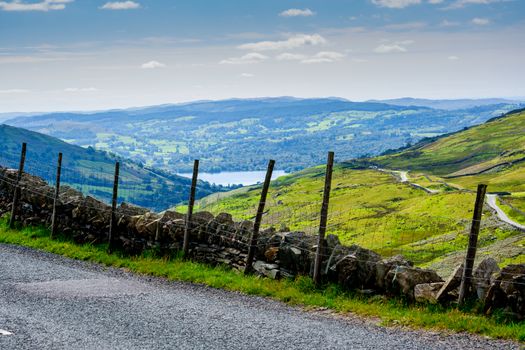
476, 150
374, 209
92, 171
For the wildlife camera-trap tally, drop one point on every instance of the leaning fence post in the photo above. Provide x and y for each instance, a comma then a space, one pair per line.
16, 194
186, 243
324, 217
55, 199
113, 208
472, 243
256, 226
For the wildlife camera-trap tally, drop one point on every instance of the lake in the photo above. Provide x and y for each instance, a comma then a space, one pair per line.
244, 178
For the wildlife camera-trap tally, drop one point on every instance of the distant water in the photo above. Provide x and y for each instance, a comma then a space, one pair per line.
244, 178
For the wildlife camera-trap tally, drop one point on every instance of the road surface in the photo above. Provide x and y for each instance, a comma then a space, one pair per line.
491, 201
403, 177
50, 302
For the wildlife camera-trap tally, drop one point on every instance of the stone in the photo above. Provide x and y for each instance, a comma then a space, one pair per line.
224, 219
384, 266
404, 279
353, 267
483, 276
170, 215
294, 251
508, 291
271, 254
451, 284
130, 209
268, 270
426, 292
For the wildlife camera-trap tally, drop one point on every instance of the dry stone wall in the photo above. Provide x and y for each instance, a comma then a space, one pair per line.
221, 240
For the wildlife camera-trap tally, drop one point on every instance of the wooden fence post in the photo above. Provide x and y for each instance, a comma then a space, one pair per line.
55, 199
186, 242
324, 217
257, 225
16, 194
113, 208
472, 243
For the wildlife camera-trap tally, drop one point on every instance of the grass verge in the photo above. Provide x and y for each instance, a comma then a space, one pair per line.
301, 291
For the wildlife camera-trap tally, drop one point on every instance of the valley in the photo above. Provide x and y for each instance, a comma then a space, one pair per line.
242, 134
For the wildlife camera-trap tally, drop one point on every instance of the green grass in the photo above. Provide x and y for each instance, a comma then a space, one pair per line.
301, 291
369, 208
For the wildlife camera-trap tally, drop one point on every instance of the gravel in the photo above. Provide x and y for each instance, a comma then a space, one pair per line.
51, 302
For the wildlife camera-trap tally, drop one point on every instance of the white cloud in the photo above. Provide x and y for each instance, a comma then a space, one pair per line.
292, 42
406, 26
290, 57
297, 12
435, 2
395, 4
396, 46
152, 65
120, 5
453, 58
46, 5
247, 75
249, 58
324, 57
462, 3
14, 91
480, 21
320, 57
88, 89
447, 23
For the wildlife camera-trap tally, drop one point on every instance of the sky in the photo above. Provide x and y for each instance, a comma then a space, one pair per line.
58, 55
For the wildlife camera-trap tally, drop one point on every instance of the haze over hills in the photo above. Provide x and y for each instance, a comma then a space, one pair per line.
92, 170
448, 104
242, 134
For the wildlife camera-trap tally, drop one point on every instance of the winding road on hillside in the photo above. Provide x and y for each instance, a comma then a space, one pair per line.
403, 177
492, 202
50, 302
491, 198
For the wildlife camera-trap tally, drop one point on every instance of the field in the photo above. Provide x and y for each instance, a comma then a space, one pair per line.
374, 210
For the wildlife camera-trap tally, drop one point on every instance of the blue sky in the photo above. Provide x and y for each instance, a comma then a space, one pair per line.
88, 54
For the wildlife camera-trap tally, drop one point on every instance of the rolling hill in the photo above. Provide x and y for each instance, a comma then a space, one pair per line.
373, 208
92, 171
242, 134
497, 143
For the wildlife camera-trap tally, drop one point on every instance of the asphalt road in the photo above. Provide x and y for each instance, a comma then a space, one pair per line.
491, 201
50, 302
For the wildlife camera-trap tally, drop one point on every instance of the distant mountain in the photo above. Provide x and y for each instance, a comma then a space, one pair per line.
447, 104
242, 134
92, 171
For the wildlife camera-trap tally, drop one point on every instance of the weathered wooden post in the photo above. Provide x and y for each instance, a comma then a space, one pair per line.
112, 220
257, 225
472, 243
324, 217
16, 194
186, 243
55, 199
